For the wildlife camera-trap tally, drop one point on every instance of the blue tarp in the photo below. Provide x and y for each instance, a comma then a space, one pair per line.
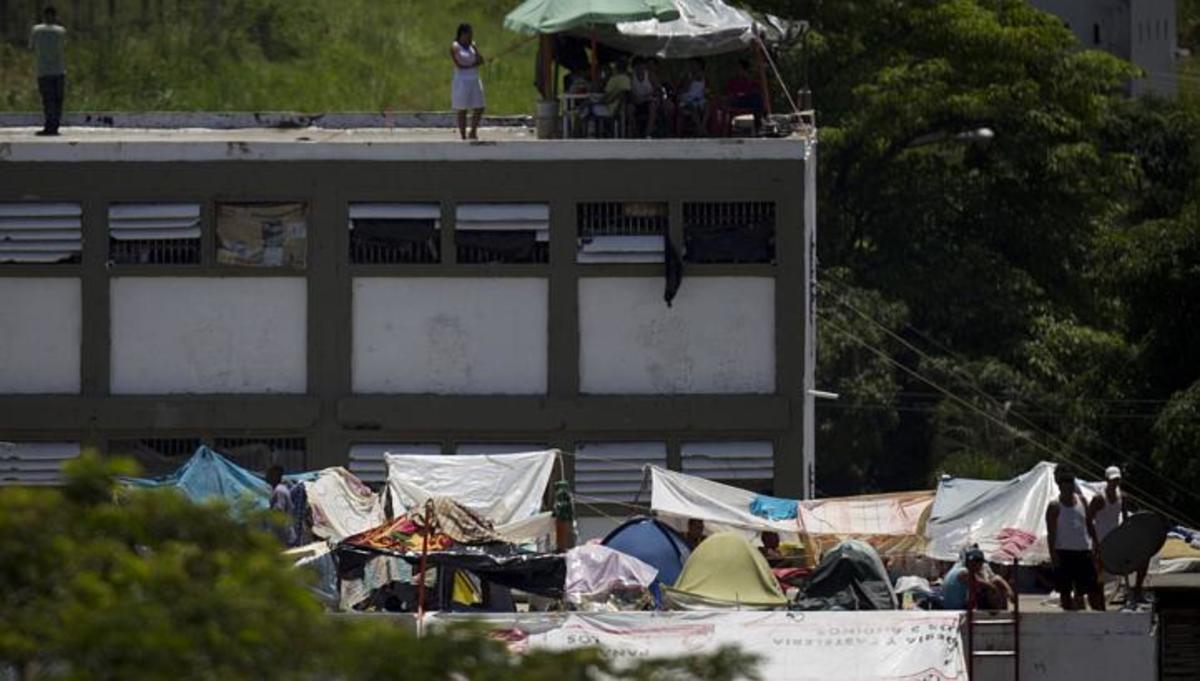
208, 475
651, 542
773, 508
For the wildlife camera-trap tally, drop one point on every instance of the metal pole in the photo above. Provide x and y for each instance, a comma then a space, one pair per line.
1016, 622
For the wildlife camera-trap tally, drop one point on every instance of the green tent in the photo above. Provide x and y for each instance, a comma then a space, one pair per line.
554, 16
725, 572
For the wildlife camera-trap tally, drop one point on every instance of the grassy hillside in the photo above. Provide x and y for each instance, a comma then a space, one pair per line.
305, 55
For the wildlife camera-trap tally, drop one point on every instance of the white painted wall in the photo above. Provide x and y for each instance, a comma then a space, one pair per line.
450, 335
1097, 646
41, 328
209, 335
718, 337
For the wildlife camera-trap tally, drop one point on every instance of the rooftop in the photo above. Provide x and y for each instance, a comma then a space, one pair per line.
174, 137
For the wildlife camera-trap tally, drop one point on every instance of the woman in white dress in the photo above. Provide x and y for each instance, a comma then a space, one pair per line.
466, 90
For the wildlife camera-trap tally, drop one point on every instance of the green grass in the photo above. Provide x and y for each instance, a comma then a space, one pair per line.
296, 55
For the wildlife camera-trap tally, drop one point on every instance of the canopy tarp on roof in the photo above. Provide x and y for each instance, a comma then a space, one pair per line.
655, 544
954, 493
208, 475
850, 576
554, 16
1007, 519
504, 488
704, 27
725, 571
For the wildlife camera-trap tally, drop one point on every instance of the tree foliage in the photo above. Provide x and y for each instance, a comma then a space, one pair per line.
1028, 295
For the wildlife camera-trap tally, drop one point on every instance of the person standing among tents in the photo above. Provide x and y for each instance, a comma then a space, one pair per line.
47, 41
281, 500
466, 90
1073, 544
1110, 511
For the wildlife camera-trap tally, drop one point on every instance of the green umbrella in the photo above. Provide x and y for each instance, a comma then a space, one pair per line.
554, 16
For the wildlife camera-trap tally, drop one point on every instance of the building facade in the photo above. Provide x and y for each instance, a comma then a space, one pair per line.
320, 303
1140, 31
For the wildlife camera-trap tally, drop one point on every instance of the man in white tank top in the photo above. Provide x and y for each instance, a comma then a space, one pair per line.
1110, 511
1073, 544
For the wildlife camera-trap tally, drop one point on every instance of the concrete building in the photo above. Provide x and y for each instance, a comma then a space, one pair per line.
1141, 31
318, 297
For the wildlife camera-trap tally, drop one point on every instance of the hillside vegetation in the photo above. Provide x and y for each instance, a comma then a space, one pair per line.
311, 55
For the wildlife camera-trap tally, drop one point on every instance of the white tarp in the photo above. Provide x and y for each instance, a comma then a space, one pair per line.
998, 516
503, 488
721, 507
342, 505
704, 27
594, 570
821, 646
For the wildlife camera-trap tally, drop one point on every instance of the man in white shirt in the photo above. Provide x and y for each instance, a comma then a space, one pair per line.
1110, 511
47, 40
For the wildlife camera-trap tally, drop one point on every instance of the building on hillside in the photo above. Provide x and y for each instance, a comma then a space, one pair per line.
1140, 31
317, 298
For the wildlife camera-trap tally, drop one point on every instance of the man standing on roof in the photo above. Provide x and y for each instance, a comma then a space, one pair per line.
47, 41
1073, 544
1110, 511
281, 500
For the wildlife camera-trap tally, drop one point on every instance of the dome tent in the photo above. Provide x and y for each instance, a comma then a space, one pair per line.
725, 572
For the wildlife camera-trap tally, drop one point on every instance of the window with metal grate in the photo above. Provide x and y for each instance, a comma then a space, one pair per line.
366, 458
41, 233
621, 232
156, 456
395, 233
35, 463
260, 453
607, 472
729, 232
509, 233
154, 233
737, 463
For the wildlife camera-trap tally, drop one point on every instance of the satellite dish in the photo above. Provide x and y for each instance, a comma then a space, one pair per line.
1134, 542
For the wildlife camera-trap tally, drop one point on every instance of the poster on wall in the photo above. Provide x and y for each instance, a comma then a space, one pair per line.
819, 646
262, 234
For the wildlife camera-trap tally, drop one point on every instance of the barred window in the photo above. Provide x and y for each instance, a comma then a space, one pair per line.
42, 233
260, 453
729, 232
156, 456
154, 233
394, 233
502, 233
622, 232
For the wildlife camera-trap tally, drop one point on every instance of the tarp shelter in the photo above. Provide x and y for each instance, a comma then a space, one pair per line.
495, 561
725, 572
554, 16
850, 576
504, 488
207, 475
1007, 519
655, 544
342, 505
704, 27
894, 523
595, 571
722, 507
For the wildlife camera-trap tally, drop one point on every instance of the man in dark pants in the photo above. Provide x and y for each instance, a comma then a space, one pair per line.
47, 41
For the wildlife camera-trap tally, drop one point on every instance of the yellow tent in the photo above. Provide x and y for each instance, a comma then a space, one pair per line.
725, 572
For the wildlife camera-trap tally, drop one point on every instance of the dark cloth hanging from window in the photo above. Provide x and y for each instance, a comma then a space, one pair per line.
673, 270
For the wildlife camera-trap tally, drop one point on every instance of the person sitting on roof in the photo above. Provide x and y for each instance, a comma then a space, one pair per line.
991, 591
617, 91
770, 546
693, 96
743, 94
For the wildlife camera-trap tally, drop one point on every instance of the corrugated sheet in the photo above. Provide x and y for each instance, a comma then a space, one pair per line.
366, 459
614, 471
504, 217
729, 460
40, 232
35, 463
